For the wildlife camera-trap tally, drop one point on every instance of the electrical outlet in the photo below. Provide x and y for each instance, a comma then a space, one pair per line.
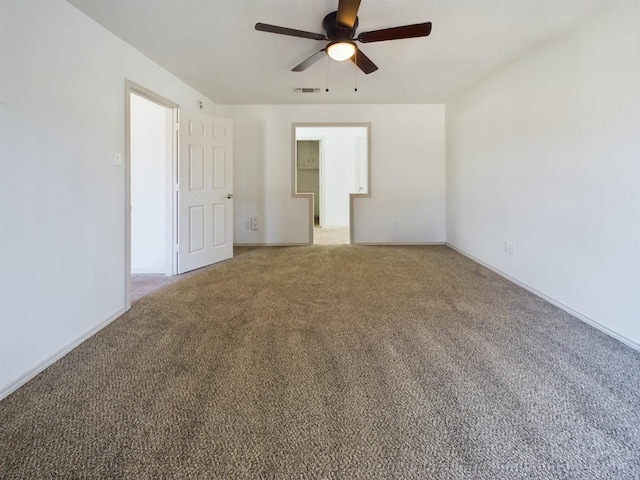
255, 222
509, 248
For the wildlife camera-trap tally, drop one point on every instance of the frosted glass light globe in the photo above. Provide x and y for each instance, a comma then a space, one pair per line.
341, 51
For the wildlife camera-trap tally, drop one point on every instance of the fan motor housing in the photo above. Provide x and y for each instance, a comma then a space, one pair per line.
338, 32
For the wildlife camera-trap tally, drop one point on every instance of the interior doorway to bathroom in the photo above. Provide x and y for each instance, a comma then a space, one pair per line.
332, 165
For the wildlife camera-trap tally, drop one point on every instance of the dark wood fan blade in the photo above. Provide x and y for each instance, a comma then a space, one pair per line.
396, 33
309, 61
363, 62
264, 27
347, 12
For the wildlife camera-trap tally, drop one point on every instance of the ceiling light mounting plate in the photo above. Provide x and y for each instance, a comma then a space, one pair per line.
335, 31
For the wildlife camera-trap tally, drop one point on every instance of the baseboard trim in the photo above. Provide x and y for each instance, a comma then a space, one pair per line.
271, 244
399, 244
553, 301
152, 271
375, 244
20, 381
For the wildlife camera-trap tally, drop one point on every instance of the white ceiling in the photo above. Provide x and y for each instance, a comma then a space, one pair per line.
212, 45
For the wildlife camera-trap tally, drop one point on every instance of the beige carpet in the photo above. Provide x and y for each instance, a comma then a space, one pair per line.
324, 362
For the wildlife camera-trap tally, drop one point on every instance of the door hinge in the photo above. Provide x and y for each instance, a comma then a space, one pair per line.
177, 250
177, 187
176, 126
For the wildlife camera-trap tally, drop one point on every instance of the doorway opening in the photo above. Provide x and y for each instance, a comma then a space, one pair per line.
331, 168
150, 197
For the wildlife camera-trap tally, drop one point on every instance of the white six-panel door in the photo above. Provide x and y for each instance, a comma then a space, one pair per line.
205, 198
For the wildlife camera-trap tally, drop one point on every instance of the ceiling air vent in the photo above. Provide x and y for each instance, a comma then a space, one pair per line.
306, 90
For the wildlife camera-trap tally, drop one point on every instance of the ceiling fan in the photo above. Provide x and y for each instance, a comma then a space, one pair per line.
340, 28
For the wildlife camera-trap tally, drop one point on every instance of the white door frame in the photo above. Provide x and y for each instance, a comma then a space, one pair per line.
132, 87
309, 196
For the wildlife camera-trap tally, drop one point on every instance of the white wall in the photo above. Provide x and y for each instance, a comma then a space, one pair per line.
150, 171
546, 155
61, 196
408, 185
338, 170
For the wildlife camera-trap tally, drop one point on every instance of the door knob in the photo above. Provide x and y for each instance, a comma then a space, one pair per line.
229, 195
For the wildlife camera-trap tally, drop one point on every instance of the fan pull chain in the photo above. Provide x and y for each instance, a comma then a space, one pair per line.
355, 71
327, 79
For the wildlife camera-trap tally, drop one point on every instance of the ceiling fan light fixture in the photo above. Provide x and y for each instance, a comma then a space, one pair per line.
342, 50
